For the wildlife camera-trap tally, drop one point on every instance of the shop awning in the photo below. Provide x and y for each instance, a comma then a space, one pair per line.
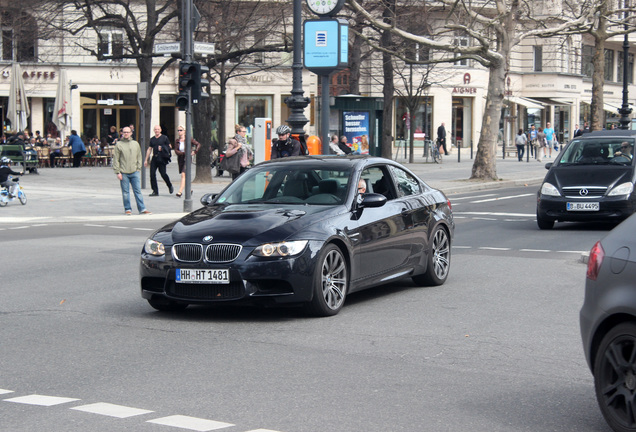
554, 101
613, 107
528, 103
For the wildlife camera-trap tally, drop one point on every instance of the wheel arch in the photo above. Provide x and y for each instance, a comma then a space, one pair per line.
608, 324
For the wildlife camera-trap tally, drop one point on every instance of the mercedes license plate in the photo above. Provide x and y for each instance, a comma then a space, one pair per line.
582, 206
203, 276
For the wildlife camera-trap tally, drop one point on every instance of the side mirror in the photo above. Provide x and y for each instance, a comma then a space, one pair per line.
208, 198
548, 165
373, 200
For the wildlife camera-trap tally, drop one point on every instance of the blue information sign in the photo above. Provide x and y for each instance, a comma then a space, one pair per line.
326, 45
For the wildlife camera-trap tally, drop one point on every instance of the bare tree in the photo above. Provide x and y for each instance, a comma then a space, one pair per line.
246, 35
140, 24
495, 27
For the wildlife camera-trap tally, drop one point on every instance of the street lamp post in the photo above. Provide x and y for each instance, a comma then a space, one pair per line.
297, 102
625, 110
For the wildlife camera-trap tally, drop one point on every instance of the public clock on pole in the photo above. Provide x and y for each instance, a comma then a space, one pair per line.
325, 7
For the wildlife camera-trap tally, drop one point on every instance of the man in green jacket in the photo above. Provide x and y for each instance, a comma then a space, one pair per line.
127, 161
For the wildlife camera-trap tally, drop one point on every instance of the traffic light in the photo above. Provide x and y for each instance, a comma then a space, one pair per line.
187, 78
200, 89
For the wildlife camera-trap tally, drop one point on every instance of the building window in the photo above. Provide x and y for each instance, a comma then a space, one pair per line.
608, 74
248, 108
630, 68
19, 37
462, 42
538, 58
111, 44
259, 38
587, 65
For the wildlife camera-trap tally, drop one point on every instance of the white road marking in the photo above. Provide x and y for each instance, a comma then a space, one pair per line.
573, 252
192, 423
3, 391
462, 247
111, 410
471, 197
144, 229
20, 227
484, 218
41, 400
534, 250
117, 227
495, 248
501, 198
526, 215
95, 225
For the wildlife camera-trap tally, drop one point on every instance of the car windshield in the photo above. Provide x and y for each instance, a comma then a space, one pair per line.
283, 184
615, 150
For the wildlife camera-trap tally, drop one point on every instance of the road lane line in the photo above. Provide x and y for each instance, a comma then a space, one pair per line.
495, 248
471, 197
526, 215
501, 198
3, 391
41, 400
111, 410
534, 250
192, 423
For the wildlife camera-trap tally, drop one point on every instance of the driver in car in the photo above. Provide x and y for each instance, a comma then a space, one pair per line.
625, 151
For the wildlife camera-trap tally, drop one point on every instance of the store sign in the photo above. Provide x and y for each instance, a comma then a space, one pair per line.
356, 129
33, 74
464, 90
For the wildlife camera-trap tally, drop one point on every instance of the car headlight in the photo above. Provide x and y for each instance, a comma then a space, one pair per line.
548, 189
280, 249
154, 247
622, 189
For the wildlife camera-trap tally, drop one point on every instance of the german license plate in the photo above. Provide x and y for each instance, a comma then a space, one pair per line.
203, 276
582, 206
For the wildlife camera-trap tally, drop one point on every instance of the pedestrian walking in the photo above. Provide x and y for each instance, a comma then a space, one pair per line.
159, 152
550, 136
441, 138
532, 136
180, 150
127, 161
577, 131
77, 148
520, 141
541, 145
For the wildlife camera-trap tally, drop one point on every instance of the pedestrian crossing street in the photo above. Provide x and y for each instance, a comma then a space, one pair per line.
180, 422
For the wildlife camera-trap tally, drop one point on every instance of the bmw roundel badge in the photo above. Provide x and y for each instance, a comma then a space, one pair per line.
207, 238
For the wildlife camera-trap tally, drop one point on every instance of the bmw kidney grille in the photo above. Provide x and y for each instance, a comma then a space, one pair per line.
215, 253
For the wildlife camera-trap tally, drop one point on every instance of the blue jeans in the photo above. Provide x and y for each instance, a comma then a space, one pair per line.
133, 180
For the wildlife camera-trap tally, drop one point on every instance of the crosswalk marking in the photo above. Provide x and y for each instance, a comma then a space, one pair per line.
41, 400
111, 410
3, 391
191, 423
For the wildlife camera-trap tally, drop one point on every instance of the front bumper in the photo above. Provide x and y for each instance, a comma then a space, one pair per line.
610, 209
252, 279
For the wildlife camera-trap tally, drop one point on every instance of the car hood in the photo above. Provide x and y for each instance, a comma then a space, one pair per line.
587, 175
247, 224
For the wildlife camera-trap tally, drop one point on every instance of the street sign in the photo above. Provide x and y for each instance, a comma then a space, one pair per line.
167, 48
110, 102
204, 48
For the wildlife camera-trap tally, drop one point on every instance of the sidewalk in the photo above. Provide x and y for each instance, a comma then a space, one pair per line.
93, 195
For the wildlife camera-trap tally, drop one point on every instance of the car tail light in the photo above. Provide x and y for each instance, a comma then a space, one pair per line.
596, 259
449, 204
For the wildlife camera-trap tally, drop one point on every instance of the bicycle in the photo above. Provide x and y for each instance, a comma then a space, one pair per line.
5, 198
437, 156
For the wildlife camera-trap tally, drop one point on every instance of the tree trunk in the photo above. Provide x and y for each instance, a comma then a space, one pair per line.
388, 91
201, 115
485, 167
598, 79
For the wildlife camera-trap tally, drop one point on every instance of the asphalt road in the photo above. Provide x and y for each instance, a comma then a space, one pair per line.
497, 348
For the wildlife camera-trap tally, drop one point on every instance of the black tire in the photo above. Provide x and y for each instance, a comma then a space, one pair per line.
615, 377
331, 282
22, 197
439, 259
544, 224
164, 305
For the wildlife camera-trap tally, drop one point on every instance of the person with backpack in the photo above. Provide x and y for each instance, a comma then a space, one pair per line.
285, 145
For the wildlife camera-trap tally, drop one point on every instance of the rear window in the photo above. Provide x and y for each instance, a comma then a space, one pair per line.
615, 150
